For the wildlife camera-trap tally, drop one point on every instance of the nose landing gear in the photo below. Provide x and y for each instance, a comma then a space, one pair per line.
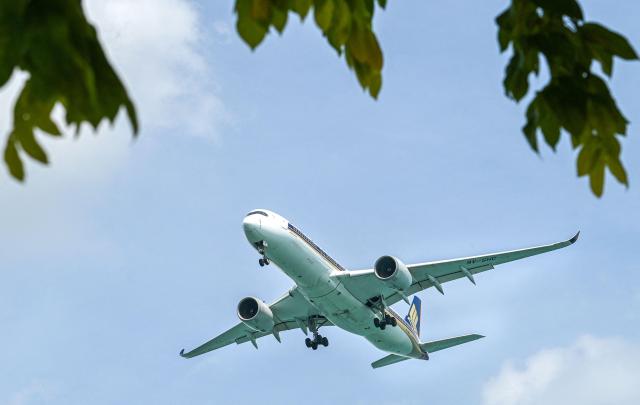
262, 248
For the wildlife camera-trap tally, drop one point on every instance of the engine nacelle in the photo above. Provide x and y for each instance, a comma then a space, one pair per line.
255, 314
393, 272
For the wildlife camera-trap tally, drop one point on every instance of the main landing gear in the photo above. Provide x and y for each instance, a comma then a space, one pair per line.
384, 319
382, 324
318, 339
262, 247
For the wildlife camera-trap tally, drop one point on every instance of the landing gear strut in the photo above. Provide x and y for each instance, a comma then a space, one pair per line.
318, 339
262, 248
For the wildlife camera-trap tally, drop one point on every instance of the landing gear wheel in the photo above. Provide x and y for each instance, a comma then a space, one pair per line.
314, 346
383, 325
394, 322
261, 262
376, 322
266, 261
307, 342
325, 342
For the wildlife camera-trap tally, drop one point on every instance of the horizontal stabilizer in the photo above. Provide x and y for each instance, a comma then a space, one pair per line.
388, 360
437, 345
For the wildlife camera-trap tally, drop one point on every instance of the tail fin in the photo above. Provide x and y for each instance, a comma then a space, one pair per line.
414, 315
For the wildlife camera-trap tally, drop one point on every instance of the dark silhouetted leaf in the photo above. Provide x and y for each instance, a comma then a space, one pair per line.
55, 44
609, 40
12, 159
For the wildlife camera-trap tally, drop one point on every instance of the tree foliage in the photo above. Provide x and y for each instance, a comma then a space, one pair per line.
345, 23
53, 41
576, 98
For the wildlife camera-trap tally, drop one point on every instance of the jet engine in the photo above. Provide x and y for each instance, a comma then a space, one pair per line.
393, 272
255, 314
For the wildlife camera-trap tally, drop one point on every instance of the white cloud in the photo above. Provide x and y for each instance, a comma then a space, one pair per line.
157, 46
223, 31
40, 392
591, 371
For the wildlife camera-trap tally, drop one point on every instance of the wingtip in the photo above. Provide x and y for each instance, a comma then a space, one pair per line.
575, 238
182, 354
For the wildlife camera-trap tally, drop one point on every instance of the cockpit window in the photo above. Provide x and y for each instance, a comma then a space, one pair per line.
258, 212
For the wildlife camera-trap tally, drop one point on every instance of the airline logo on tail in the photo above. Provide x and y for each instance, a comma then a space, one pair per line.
413, 317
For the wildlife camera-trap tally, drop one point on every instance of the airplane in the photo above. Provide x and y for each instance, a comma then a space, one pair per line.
358, 301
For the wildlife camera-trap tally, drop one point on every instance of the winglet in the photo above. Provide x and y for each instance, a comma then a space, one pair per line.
182, 354
575, 238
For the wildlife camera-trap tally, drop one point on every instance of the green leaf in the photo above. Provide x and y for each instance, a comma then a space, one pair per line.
516, 81
586, 159
261, 11
30, 146
279, 19
529, 129
341, 26
249, 29
609, 40
375, 84
618, 171
324, 13
548, 123
300, 7
596, 179
12, 160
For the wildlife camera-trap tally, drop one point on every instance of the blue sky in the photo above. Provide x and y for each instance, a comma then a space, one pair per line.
121, 253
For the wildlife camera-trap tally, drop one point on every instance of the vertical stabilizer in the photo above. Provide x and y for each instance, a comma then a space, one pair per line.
414, 315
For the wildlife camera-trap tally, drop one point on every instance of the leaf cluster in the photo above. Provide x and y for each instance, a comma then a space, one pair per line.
53, 41
576, 98
347, 25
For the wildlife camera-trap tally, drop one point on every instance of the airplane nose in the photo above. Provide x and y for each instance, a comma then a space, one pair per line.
251, 226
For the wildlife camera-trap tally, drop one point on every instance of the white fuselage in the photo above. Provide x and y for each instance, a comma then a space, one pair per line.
314, 273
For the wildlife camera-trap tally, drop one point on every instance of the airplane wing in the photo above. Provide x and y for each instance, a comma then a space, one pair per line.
290, 311
364, 284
